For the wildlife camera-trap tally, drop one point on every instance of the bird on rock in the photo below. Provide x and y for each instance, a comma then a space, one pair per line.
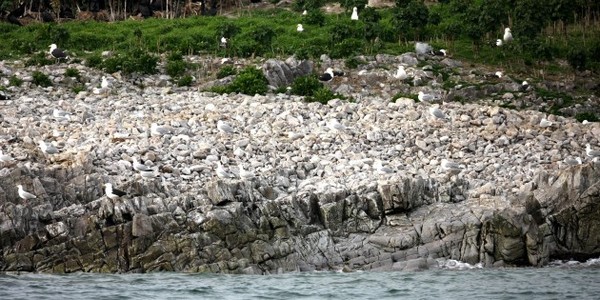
113, 193
48, 148
591, 153
224, 127
245, 174
441, 52
5, 158
156, 130
327, 76
222, 173
544, 123
450, 166
24, 194
573, 161
139, 166
425, 97
57, 52
435, 112
401, 73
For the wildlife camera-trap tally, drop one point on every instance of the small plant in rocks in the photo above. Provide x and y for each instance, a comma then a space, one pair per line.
323, 95
38, 59
185, 80
72, 72
306, 85
41, 79
15, 81
93, 61
226, 71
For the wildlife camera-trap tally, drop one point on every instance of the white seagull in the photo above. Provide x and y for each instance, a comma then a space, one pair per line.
573, 161
507, 35
499, 43
544, 123
401, 73
224, 127
156, 130
450, 166
222, 173
24, 194
382, 169
151, 173
223, 42
425, 97
111, 193
335, 125
5, 158
437, 113
47, 148
299, 28
591, 153
104, 84
354, 14
244, 174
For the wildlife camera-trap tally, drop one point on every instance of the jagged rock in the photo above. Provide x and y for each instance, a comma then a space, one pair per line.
282, 73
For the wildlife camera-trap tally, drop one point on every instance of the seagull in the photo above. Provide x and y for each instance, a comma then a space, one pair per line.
47, 148
591, 153
498, 74
224, 127
244, 174
156, 130
111, 193
544, 123
381, 169
437, 113
524, 85
327, 76
425, 97
450, 166
57, 53
585, 122
4, 95
441, 52
140, 167
24, 194
499, 43
507, 35
299, 28
401, 73
573, 161
223, 42
335, 125
5, 158
222, 173
104, 84
304, 13
354, 16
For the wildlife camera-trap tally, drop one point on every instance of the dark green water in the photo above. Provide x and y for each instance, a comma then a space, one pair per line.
561, 281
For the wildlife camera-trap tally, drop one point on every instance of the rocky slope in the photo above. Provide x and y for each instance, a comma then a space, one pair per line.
354, 185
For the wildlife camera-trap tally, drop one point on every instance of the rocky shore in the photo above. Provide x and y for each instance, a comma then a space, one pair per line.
296, 186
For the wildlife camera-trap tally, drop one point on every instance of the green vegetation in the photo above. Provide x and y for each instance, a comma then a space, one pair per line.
71, 72
591, 117
41, 79
15, 81
226, 71
249, 81
313, 90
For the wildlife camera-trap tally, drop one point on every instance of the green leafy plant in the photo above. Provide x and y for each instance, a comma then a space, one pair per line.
249, 81
133, 61
72, 72
38, 59
41, 79
185, 80
93, 61
306, 85
78, 88
226, 71
175, 68
15, 81
589, 116
323, 95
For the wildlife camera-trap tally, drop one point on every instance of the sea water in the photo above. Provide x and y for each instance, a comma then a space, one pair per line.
455, 280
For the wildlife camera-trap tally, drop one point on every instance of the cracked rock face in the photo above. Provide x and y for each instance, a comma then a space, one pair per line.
354, 185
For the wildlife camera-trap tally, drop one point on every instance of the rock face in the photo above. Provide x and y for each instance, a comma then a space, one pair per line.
346, 185
282, 73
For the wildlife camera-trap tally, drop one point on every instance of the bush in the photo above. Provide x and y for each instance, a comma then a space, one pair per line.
323, 95
38, 59
186, 80
134, 61
226, 71
71, 72
41, 79
591, 117
300, 5
314, 17
577, 58
353, 62
94, 61
250, 81
176, 68
15, 81
306, 85
78, 88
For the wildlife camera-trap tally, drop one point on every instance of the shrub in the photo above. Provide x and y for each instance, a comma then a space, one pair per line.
38, 59
175, 68
306, 85
186, 80
314, 17
577, 58
323, 95
226, 71
41, 79
353, 62
300, 5
93, 61
133, 61
78, 88
72, 72
15, 81
591, 117
250, 81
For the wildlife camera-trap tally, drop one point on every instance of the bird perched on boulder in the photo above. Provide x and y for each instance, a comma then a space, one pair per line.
24, 194
437, 114
425, 97
139, 166
47, 148
224, 127
441, 52
5, 158
591, 153
544, 123
401, 73
113, 193
222, 173
573, 161
57, 52
450, 166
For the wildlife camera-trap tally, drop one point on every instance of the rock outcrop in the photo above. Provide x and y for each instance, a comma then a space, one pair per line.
346, 185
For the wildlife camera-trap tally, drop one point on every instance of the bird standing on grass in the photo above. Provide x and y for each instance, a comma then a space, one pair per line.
299, 28
507, 35
354, 16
